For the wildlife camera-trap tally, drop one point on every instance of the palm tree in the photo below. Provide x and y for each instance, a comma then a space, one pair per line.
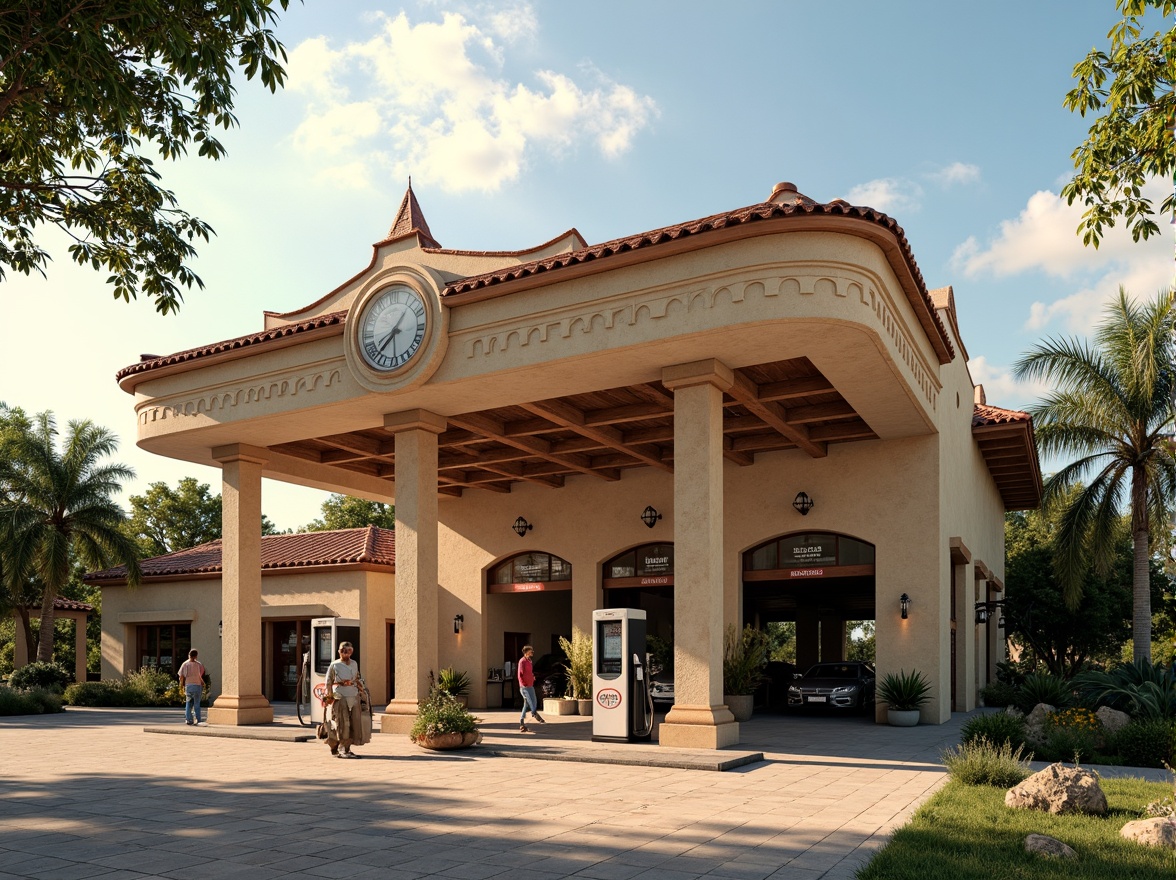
1111, 411
52, 504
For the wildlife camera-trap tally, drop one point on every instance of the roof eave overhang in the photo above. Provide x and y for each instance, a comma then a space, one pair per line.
1027, 499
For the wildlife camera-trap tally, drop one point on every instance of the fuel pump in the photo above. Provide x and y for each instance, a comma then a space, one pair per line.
326, 635
623, 710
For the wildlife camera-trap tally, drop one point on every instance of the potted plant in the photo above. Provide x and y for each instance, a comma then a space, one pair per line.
745, 654
579, 667
443, 723
454, 683
557, 705
903, 694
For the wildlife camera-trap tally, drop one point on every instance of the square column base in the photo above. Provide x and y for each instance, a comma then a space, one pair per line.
699, 727
398, 717
237, 711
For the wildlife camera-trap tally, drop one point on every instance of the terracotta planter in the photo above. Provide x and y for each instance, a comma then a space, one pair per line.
902, 717
740, 705
557, 706
584, 706
445, 741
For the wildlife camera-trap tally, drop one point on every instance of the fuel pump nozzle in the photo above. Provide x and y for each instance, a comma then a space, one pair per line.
641, 689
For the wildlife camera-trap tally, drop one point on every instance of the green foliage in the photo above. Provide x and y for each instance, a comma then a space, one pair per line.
163, 520
454, 683
966, 832
1062, 638
1040, 687
104, 693
88, 91
999, 728
35, 701
441, 713
1143, 690
1072, 735
1129, 91
579, 665
661, 653
978, 761
346, 512
1145, 743
998, 694
1110, 415
745, 654
782, 640
56, 508
904, 691
861, 640
39, 674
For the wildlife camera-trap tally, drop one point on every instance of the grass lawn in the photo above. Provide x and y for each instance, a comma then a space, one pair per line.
967, 833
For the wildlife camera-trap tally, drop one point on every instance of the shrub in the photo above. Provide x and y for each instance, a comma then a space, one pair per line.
979, 762
104, 693
441, 713
998, 694
905, 691
744, 657
158, 688
34, 701
996, 727
453, 682
1145, 743
579, 665
1040, 687
43, 675
1141, 689
1072, 735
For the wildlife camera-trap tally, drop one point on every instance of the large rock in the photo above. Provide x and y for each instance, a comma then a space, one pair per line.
1035, 724
1112, 720
1160, 831
1059, 789
1048, 846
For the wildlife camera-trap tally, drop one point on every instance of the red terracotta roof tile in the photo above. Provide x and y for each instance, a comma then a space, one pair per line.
983, 414
60, 604
411, 219
366, 546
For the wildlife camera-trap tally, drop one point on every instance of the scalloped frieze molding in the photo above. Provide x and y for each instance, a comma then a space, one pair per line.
223, 399
604, 316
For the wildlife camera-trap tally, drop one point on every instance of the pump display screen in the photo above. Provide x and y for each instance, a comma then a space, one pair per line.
323, 649
610, 647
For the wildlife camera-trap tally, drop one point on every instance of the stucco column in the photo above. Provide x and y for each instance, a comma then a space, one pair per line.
832, 638
415, 446
808, 638
699, 719
79, 620
241, 700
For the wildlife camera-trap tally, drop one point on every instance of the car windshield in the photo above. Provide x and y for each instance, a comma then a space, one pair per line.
835, 670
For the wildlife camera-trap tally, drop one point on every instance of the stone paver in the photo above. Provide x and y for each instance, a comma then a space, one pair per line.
90, 794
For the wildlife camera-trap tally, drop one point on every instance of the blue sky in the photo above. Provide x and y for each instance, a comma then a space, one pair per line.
518, 121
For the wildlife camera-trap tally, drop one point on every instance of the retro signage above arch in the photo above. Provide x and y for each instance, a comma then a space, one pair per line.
803, 555
646, 565
531, 572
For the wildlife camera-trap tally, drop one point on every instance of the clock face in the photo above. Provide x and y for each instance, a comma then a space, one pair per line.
392, 328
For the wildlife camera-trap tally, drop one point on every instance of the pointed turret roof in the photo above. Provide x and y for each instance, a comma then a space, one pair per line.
410, 219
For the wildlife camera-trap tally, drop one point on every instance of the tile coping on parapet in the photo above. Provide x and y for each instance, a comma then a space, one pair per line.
674, 759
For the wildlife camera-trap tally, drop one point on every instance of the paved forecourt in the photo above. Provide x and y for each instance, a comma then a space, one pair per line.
90, 794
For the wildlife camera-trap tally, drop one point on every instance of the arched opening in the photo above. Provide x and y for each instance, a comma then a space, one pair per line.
819, 586
528, 602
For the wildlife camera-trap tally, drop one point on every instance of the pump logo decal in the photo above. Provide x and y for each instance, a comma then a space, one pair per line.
609, 698
320, 691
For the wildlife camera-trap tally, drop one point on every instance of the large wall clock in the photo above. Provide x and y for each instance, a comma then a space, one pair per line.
392, 328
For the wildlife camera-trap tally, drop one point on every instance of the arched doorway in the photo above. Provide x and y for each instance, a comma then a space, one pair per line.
528, 602
817, 580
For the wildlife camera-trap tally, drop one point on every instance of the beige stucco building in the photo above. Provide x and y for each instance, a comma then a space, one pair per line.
718, 372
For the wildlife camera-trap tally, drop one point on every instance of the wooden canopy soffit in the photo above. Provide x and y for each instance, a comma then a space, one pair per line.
1010, 452
770, 407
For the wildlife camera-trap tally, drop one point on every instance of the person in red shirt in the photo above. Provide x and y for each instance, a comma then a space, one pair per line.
191, 677
527, 689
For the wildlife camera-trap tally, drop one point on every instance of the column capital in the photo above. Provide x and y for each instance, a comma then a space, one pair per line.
413, 420
240, 452
706, 372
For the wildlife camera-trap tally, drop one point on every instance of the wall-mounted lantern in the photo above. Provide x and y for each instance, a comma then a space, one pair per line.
802, 503
649, 516
904, 604
458, 623
521, 527
220, 629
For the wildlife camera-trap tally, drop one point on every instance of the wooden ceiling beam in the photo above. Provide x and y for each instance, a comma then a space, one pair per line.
741, 458
567, 416
632, 412
746, 392
855, 429
792, 388
492, 428
364, 446
820, 412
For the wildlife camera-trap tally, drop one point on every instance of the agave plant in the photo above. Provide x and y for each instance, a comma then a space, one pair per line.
1038, 687
904, 691
1142, 690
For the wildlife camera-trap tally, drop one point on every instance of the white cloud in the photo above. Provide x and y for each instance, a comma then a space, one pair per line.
887, 194
1042, 238
432, 100
956, 173
1001, 388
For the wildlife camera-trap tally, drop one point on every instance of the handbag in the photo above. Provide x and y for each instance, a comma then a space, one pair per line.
322, 731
